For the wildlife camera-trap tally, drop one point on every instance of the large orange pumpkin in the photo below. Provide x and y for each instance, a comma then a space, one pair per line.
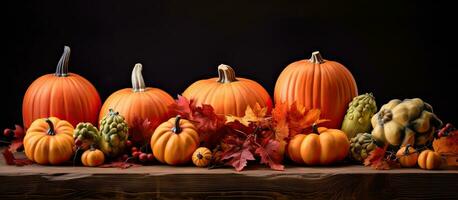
49, 141
64, 95
227, 94
174, 141
322, 147
317, 83
138, 104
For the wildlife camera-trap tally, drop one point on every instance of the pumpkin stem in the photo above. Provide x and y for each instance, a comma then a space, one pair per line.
111, 112
406, 152
316, 58
315, 128
200, 156
177, 128
62, 65
51, 130
138, 84
226, 74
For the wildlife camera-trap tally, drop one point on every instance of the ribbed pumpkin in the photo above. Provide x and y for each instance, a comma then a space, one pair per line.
227, 94
202, 157
138, 104
429, 160
407, 156
322, 147
92, 157
67, 96
174, 141
317, 83
49, 141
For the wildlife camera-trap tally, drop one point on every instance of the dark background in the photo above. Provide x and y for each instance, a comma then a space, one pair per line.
396, 49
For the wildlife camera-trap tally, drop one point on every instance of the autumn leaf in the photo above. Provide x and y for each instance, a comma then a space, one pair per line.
378, 159
255, 114
11, 160
280, 123
207, 122
141, 129
270, 154
119, 164
239, 157
18, 134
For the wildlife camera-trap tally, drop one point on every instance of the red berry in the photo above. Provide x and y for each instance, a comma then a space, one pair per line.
7, 132
128, 143
143, 157
125, 157
136, 154
150, 157
78, 142
134, 149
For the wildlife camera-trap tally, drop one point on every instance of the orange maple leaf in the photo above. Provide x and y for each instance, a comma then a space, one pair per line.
252, 114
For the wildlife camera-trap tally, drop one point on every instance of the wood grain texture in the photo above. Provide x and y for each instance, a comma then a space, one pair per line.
164, 182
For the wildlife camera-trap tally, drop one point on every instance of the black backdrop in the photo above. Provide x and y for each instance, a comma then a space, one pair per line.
398, 49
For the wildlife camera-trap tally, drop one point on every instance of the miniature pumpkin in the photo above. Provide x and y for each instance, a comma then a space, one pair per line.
321, 147
174, 141
227, 94
201, 157
429, 160
407, 156
92, 157
49, 141
411, 121
138, 104
65, 95
317, 83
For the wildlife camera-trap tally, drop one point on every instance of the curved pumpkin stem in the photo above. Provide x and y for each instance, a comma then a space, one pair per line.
177, 128
226, 74
406, 152
315, 128
51, 130
316, 58
62, 66
199, 156
138, 84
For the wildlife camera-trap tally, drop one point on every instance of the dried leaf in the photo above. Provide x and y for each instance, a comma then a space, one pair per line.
448, 143
11, 160
280, 117
119, 164
270, 154
255, 114
142, 129
379, 160
238, 157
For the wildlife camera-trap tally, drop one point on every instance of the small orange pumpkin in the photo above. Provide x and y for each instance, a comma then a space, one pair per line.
321, 147
174, 141
407, 156
429, 160
201, 157
65, 95
49, 141
138, 104
227, 94
92, 157
317, 83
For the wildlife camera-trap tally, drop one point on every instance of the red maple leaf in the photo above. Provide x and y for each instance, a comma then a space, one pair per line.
238, 157
119, 164
142, 129
269, 153
18, 134
378, 159
203, 117
11, 160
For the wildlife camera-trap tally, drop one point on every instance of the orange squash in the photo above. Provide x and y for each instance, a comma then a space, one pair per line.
92, 157
321, 147
227, 94
202, 157
49, 141
138, 104
65, 95
317, 83
174, 141
407, 156
429, 160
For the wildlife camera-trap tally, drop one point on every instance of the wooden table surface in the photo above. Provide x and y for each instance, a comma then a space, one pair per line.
166, 182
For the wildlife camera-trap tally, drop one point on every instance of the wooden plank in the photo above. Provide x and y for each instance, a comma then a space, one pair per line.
165, 182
